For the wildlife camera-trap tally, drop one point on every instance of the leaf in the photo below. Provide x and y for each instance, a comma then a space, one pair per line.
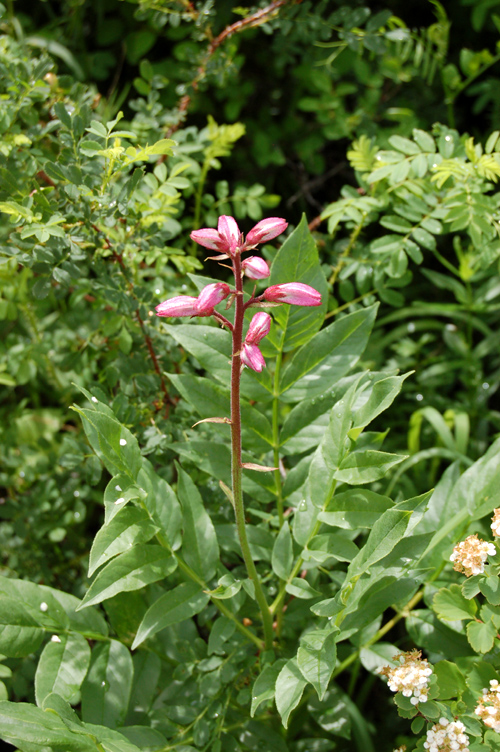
366, 466
481, 636
380, 397
28, 727
113, 443
356, 508
107, 686
316, 658
297, 261
385, 534
162, 504
282, 558
450, 605
265, 684
490, 588
62, 668
428, 632
128, 528
290, 685
327, 546
178, 604
200, 547
329, 355
20, 633
142, 565
451, 681
300, 588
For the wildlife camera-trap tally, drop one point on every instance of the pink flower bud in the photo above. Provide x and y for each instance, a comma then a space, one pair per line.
255, 267
258, 329
225, 238
252, 357
229, 230
183, 305
294, 293
208, 238
210, 296
266, 229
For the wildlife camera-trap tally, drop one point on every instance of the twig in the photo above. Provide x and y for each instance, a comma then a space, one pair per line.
149, 342
254, 20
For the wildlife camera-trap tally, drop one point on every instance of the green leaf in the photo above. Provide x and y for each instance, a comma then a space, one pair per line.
330, 354
113, 443
298, 261
162, 504
30, 728
20, 633
356, 508
323, 547
481, 636
107, 686
128, 528
178, 604
385, 534
366, 466
282, 559
451, 681
62, 668
140, 566
200, 547
300, 588
316, 658
265, 684
428, 632
450, 605
211, 400
290, 685
490, 588
404, 145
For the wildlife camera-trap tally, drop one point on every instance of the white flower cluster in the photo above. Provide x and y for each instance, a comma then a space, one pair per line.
411, 677
446, 736
495, 522
488, 707
470, 555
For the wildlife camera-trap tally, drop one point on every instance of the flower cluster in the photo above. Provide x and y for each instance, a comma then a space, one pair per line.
469, 556
488, 707
230, 243
495, 522
411, 677
447, 736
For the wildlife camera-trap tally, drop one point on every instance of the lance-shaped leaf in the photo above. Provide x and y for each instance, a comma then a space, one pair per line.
62, 667
290, 685
178, 604
318, 365
366, 466
200, 547
131, 570
113, 443
298, 261
282, 558
316, 658
130, 527
107, 686
28, 727
265, 684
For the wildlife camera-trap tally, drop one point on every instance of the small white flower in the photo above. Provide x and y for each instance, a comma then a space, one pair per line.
469, 556
411, 677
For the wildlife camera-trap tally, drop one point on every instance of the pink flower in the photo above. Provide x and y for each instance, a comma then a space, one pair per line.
255, 267
183, 305
258, 329
225, 238
266, 229
210, 296
294, 293
252, 357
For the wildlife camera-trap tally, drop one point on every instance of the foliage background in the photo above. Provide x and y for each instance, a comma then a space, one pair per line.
268, 129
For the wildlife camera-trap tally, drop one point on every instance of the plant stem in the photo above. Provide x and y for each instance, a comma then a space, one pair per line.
236, 469
276, 450
197, 204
